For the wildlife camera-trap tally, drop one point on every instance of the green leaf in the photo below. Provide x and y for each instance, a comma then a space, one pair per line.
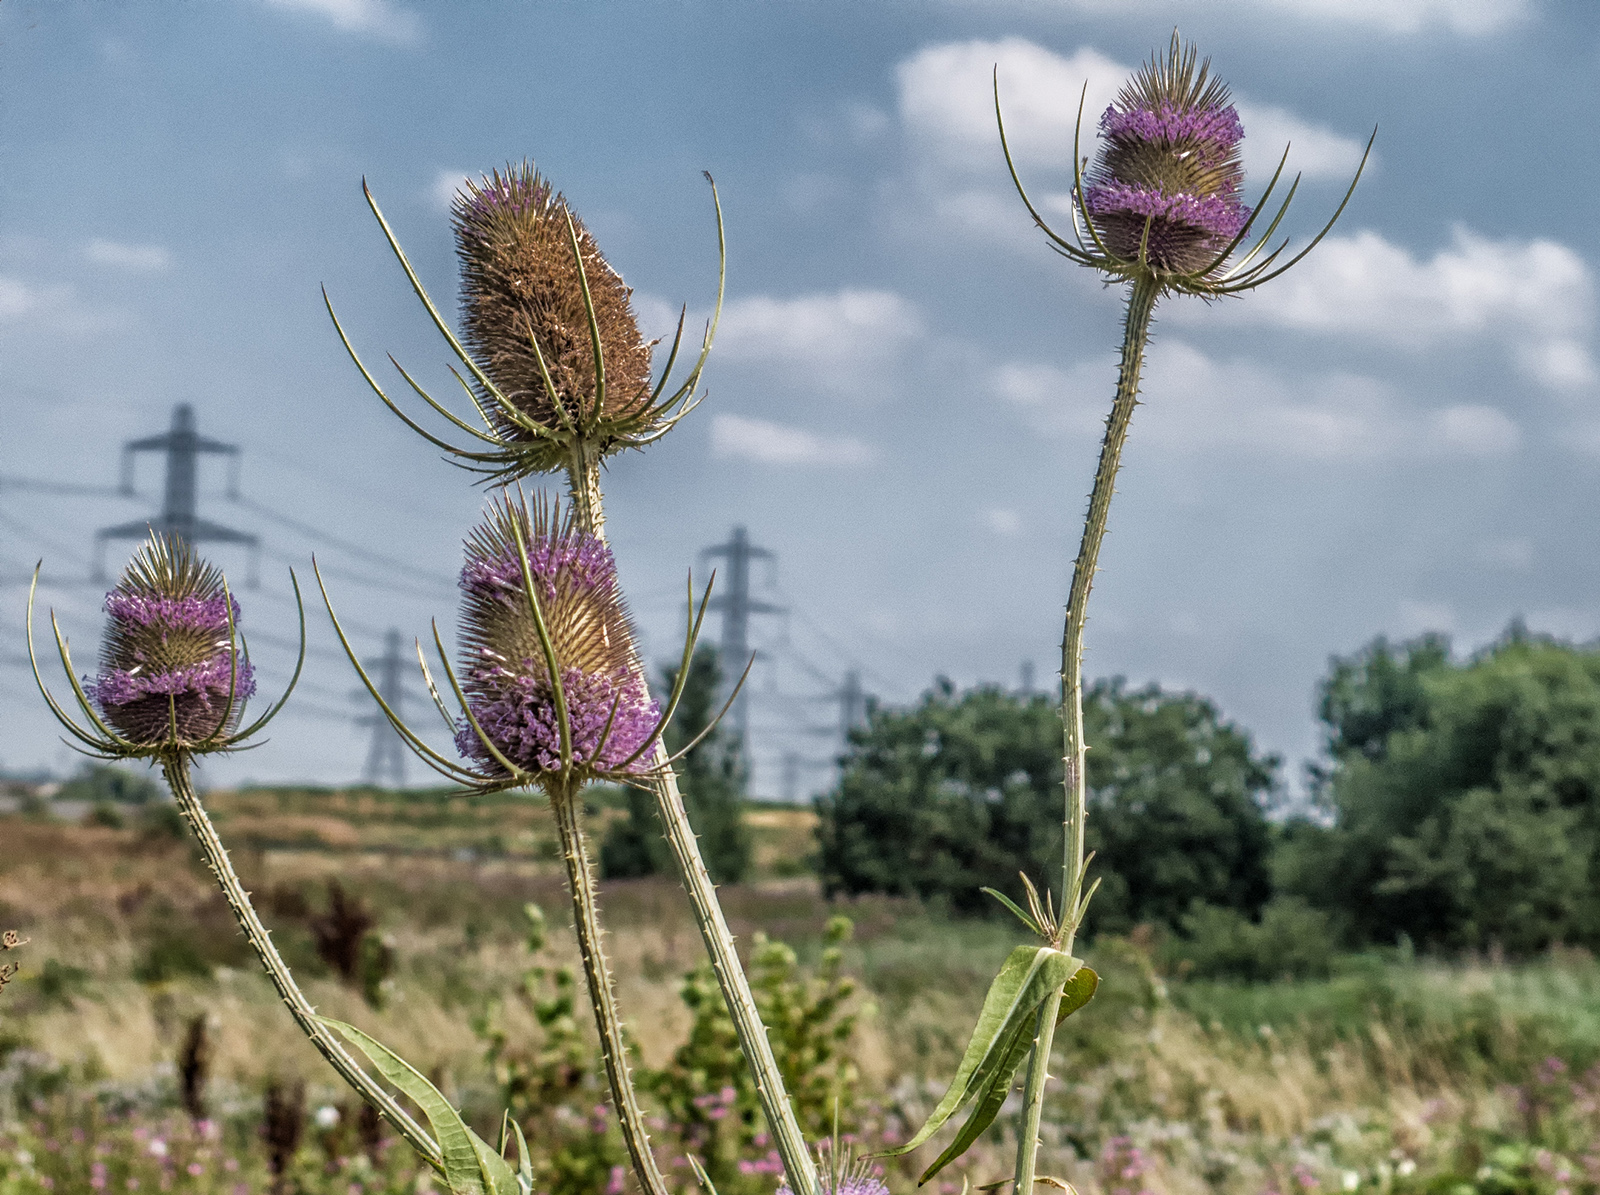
1001, 1038
471, 1166
1079, 991
1025, 918
524, 1162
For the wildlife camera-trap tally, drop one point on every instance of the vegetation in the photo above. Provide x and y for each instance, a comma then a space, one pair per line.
1415, 1077
715, 777
962, 792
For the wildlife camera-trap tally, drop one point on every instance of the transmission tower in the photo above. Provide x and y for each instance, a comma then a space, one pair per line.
736, 606
386, 756
852, 705
179, 515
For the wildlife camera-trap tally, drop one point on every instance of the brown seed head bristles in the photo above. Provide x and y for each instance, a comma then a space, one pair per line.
520, 284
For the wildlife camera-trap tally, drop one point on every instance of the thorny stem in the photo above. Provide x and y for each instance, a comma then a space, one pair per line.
1136, 333
602, 994
176, 769
584, 485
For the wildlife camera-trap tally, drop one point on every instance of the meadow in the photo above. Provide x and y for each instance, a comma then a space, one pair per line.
142, 1049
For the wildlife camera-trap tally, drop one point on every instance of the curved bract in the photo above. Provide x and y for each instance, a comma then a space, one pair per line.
547, 695
1162, 200
174, 671
553, 362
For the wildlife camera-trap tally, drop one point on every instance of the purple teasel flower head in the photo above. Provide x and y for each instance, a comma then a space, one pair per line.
526, 319
841, 1174
170, 670
1164, 190
610, 718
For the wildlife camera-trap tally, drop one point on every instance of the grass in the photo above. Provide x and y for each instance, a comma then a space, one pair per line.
1393, 1074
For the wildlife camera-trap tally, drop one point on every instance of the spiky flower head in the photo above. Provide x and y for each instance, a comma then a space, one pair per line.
608, 715
840, 1174
1164, 189
170, 671
523, 298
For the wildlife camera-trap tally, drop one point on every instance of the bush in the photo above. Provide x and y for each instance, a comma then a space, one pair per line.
963, 792
1291, 940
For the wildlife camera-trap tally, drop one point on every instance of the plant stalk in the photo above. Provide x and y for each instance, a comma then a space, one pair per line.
602, 993
176, 769
584, 486
1136, 334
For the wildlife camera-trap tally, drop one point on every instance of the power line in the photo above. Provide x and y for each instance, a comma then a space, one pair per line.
345, 545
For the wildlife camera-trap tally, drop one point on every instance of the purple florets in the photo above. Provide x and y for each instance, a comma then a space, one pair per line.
1220, 217
857, 1183
1163, 193
521, 721
586, 561
1218, 127
169, 669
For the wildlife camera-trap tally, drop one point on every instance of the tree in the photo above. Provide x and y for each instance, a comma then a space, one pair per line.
1468, 812
963, 792
714, 779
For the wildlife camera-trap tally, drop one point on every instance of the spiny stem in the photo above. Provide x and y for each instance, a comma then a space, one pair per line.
176, 769
1136, 334
602, 994
584, 485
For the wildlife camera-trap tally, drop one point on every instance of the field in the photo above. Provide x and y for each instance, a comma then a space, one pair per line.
141, 1048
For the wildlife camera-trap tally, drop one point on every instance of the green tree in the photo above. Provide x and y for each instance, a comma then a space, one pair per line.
714, 779
1469, 815
964, 791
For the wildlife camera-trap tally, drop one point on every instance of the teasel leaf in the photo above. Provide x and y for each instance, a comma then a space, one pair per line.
1000, 1041
471, 1166
1079, 991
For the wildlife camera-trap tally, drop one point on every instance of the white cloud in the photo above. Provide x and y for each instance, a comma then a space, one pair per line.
779, 444
1468, 17
1006, 523
446, 185
138, 259
1314, 152
1534, 298
377, 19
847, 341
17, 297
1195, 404
1472, 17
843, 326
947, 100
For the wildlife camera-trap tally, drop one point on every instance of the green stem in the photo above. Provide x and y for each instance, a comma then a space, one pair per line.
176, 769
1136, 334
602, 994
584, 486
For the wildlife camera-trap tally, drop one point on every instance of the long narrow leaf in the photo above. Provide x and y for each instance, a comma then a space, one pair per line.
1029, 975
471, 1166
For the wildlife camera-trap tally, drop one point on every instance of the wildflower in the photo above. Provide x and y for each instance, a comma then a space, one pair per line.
169, 671
549, 676
326, 1117
531, 274
1165, 188
1161, 202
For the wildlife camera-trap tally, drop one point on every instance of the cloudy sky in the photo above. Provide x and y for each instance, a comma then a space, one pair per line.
905, 398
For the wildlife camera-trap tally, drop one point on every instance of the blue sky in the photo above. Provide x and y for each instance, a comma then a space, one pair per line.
1402, 435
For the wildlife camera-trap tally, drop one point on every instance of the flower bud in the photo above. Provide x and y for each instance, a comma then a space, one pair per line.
507, 675
1165, 187
521, 286
169, 671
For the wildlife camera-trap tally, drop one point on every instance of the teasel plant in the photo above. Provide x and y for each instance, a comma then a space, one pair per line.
1160, 210
548, 698
555, 368
174, 677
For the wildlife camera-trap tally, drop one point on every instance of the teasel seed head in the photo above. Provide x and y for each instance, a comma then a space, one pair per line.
506, 674
170, 670
1165, 186
522, 298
